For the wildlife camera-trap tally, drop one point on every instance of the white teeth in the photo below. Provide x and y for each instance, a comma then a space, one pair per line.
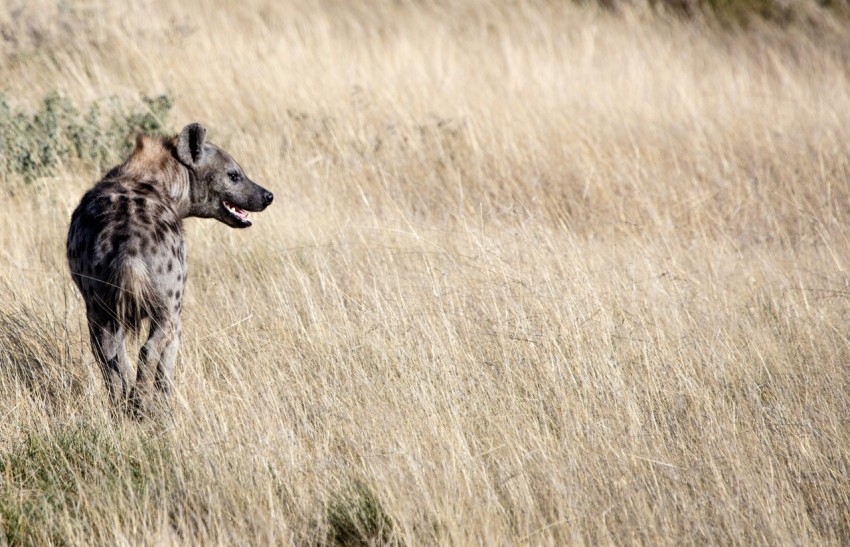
236, 211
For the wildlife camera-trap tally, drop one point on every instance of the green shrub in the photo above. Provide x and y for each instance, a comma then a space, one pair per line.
47, 476
357, 518
735, 12
739, 13
34, 144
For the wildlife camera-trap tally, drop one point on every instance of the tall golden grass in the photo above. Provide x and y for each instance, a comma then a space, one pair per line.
535, 274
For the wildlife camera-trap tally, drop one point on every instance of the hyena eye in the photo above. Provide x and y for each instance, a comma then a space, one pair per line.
234, 176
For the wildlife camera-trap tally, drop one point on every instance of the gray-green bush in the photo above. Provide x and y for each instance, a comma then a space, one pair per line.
33, 144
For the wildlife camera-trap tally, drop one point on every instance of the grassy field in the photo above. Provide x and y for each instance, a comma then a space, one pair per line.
535, 273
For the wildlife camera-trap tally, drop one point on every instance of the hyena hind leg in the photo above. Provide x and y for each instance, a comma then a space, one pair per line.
156, 361
107, 341
164, 380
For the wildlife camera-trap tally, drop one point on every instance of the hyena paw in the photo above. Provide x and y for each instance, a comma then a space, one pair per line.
148, 406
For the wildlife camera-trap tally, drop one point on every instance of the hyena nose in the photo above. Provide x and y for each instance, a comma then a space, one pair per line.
267, 198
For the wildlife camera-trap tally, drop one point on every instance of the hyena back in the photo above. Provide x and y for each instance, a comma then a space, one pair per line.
127, 253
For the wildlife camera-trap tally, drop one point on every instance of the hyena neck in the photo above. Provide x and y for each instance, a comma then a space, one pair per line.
179, 187
190, 197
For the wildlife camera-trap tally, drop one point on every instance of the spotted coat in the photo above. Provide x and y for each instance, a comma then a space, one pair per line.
127, 253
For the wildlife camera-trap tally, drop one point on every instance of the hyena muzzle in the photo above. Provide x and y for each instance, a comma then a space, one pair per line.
128, 257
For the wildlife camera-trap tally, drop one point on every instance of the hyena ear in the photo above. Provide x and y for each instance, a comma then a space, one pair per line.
190, 144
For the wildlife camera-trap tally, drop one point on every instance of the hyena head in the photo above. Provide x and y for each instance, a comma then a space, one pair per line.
219, 189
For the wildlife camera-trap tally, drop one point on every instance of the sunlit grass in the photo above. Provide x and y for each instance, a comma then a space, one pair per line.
534, 274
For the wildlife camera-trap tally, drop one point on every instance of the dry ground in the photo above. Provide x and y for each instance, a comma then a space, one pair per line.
534, 274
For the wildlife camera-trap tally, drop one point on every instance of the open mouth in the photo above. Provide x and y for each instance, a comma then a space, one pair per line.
239, 214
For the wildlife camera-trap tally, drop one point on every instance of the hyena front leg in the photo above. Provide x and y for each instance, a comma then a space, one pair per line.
107, 342
163, 336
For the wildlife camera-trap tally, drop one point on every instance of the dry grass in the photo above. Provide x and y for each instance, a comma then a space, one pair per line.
534, 274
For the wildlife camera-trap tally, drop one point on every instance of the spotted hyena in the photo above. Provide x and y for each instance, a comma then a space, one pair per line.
128, 256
